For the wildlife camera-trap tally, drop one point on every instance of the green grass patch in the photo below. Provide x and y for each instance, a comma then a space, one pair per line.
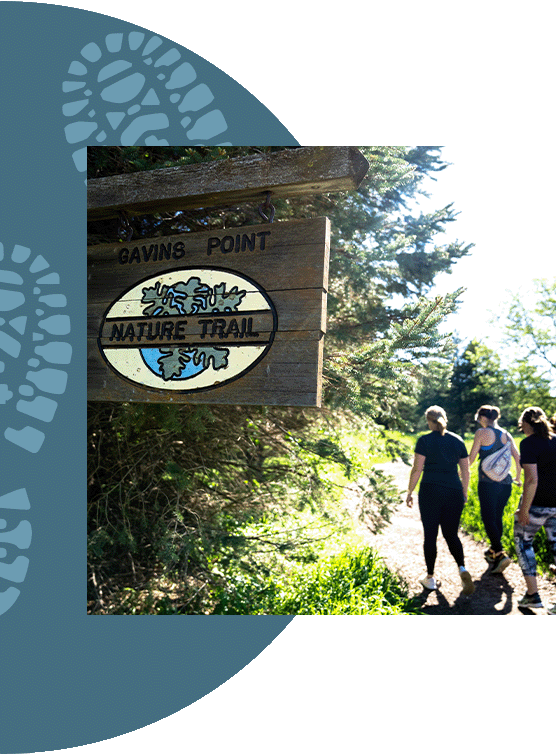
351, 582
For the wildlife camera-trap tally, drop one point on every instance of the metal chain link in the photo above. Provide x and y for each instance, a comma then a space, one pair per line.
269, 208
125, 230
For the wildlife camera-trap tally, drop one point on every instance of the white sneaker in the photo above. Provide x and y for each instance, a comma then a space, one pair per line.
429, 583
467, 581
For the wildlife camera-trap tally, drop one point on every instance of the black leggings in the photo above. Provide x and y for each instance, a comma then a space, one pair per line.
441, 506
493, 497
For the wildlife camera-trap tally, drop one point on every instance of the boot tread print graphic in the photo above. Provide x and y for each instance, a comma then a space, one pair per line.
132, 89
18, 538
31, 328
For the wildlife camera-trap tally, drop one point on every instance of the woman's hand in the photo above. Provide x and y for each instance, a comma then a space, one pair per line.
518, 482
522, 516
409, 499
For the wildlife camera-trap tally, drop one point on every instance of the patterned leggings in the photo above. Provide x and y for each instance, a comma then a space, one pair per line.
523, 537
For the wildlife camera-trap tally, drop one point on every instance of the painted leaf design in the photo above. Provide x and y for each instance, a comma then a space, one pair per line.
173, 362
191, 297
160, 300
222, 301
218, 356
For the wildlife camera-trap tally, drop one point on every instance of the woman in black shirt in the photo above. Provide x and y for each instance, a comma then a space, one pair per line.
442, 494
538, 503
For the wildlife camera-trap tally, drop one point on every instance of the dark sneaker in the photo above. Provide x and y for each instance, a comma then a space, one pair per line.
489, 555
500, 562
530, 600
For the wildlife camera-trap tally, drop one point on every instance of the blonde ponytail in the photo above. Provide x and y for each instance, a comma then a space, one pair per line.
437, 416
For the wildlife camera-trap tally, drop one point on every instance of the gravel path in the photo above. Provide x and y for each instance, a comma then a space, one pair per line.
401, 546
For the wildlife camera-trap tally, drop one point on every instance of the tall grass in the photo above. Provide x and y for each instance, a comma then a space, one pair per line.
352, 582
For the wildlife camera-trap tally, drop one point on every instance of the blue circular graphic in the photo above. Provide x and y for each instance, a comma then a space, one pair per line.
72, 78
152, 357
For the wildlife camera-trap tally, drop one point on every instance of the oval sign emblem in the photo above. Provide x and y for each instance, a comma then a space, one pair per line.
189, 329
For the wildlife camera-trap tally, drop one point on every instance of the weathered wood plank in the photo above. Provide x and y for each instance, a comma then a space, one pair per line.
291, 378
280, 252
292, 172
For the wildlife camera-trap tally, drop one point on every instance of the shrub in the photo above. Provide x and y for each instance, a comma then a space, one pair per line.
351, 582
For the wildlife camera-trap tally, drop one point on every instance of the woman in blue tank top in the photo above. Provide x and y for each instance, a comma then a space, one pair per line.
493, 495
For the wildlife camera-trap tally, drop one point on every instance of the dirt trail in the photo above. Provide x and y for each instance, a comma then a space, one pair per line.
401, 546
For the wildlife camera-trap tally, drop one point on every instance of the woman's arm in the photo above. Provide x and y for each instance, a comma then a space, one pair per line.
416, 471
530, 482
515, 454
475, 447
464, 473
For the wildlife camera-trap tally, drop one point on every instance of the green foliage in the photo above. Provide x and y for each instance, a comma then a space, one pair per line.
382, 329
105, 161
368, 377
352, 582
189, 495
520, 375
477, 379
477, 376
529, 388
531, 330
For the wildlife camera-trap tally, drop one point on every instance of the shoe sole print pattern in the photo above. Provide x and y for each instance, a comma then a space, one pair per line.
17, 538
32, 346
32, 352
133, 89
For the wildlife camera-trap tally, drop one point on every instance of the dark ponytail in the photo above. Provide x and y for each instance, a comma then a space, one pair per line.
489, 412
537, 420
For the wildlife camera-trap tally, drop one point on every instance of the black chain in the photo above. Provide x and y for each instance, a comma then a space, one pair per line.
268, 207
125, 231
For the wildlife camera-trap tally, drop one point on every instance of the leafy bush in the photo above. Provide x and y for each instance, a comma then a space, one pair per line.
352, 582
184, 499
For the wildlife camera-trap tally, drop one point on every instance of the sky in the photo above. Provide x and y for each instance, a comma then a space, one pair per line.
505, 200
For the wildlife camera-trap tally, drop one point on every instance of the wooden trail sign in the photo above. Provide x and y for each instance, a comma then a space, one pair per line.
232, 316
